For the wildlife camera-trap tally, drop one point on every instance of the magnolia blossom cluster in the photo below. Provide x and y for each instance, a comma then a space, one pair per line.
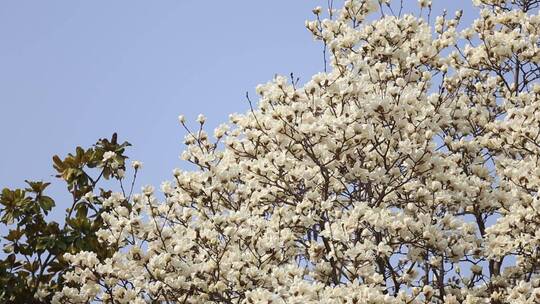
407, 173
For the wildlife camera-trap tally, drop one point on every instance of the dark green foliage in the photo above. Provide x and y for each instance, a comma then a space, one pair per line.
34, 245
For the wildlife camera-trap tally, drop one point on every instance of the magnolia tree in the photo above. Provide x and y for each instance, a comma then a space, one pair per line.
407, 173
32, 264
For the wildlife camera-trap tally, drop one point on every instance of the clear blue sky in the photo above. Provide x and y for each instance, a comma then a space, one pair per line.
74, 71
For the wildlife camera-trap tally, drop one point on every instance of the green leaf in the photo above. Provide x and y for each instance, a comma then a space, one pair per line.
46, 203
37, 187
58, 164
82, 211
11, 258
7, 218
14, 235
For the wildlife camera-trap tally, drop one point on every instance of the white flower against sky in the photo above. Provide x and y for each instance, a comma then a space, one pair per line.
109, 155
408, 172
136, 164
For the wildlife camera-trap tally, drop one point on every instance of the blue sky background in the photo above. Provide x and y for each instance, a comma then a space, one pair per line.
75, 71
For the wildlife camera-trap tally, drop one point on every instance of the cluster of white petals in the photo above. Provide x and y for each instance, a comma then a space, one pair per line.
407, 173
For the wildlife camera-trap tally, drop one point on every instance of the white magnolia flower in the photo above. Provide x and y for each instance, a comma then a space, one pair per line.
109, 155
181, 119
136, 164
201, 119
148, 190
